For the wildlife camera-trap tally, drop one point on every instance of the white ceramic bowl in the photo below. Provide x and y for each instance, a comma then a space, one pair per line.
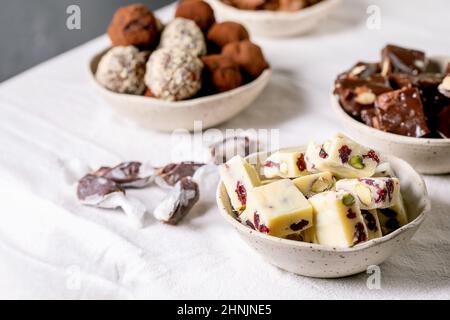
267, 23
321, 261
428, 156
167, 116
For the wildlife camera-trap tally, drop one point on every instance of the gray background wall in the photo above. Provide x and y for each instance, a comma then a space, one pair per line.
33, 31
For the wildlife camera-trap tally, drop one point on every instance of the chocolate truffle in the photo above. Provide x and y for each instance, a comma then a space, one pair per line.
292, 5
248, 4
221, 73
133, 25
185, 35
198, 11
173, 74
122, 70
223, 33
248, 56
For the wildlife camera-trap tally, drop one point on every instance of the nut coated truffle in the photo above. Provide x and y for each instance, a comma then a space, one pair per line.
221, 73
173, 74
198, 11
248, 56
122, 70
133, 25
185, 35
223, 33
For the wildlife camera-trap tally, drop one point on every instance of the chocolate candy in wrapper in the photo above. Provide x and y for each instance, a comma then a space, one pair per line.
358, 94
178, 202
91, 186
174, 172
128, 174
398, 59
224, 150
401, 112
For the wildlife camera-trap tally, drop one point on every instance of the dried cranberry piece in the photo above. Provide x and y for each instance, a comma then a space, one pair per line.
250, 224
372, 155
344, 153
381, 193
241, 193
271, 164
370, 220
390, 188
263, 229
256, 219
301, 164
323, 154
369, 182
299, 225
360, 235
351, 214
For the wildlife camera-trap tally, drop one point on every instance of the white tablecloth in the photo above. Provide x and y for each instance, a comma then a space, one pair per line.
52, 247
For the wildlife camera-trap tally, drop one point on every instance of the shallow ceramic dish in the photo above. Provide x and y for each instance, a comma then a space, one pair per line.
167, 116
321, 261
428, 156
267, 23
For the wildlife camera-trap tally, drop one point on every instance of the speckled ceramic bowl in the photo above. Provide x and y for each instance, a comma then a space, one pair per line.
167, 116
321, 261
276, 24
428, 156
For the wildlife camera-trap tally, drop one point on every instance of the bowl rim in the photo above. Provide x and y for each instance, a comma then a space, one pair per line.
440, 59
265, 14
326, 248
262, 79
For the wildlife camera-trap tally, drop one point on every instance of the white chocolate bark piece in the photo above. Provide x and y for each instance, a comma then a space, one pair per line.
315, 183
384, 169
372, 193
393, 218
278, 209
372, 223
307, 235
239, 177
343, 157
337, 219
285, 165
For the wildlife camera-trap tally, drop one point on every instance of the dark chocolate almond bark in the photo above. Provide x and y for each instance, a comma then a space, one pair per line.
362, 70
396, 59
401, 112
444, 122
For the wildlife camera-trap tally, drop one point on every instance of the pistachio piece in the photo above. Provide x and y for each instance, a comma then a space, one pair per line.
320, 185
357, 162
364, 194
348, 200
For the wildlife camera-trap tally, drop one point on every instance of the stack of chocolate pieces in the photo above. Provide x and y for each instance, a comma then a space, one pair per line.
403, 94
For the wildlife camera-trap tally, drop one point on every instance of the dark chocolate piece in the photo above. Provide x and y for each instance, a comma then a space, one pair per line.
178, 202
369, 117
362, 70
401, 112
444, 122
94, 186
174, 172
397, 59
358, 94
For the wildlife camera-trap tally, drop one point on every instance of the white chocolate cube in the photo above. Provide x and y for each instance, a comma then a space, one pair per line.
315, 183
394, 217
372, 223
239, 177
343, 157
337, 219
278, 209
372, 193
285, 164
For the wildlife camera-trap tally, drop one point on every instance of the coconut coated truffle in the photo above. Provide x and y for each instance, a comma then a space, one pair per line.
223, 33
173, 74
122, 70
221, 73
133, 25
185, 35
198, 11
248, 56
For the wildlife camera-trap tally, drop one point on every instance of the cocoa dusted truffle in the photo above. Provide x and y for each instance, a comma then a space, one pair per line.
133, 25
248, 56
173, 74
221, 73
185, 35
198, 11
122, 70
226, 32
